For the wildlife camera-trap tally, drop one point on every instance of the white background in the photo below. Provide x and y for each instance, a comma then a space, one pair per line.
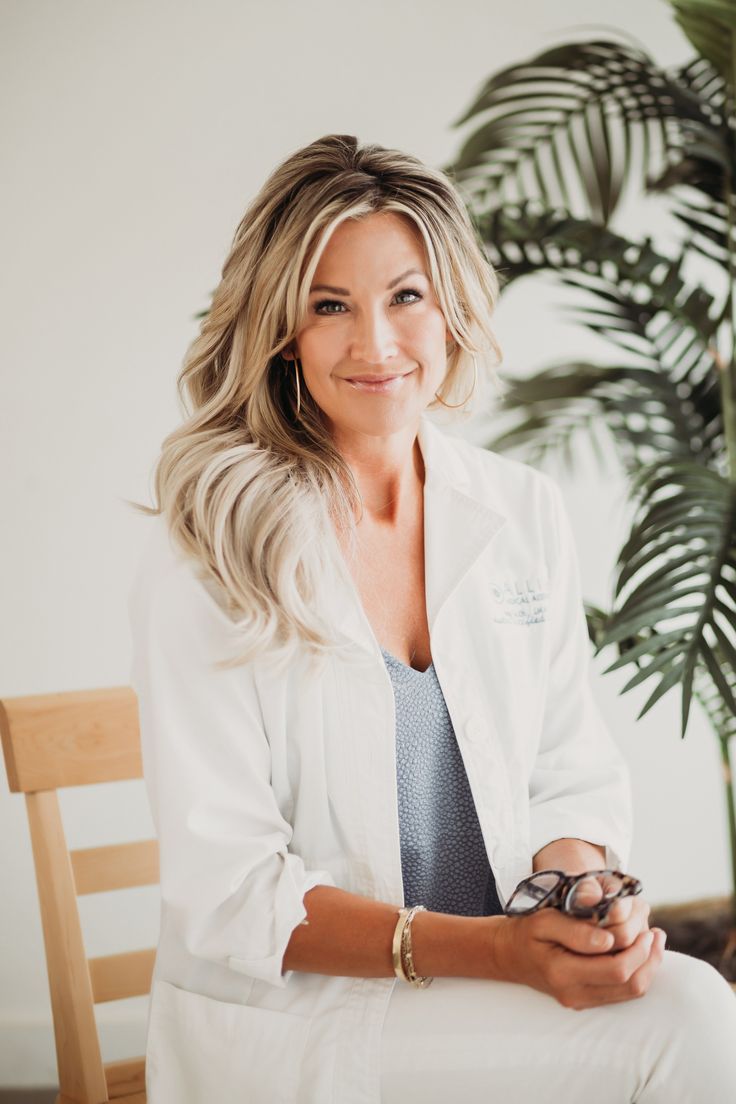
134, 135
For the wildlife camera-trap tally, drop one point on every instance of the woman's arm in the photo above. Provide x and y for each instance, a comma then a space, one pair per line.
559, 955
574, 856
230, 884
350, 935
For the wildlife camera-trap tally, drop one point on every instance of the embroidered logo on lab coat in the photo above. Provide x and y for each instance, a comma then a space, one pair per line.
520, 601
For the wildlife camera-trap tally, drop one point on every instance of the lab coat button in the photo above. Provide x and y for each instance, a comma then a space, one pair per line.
474, 729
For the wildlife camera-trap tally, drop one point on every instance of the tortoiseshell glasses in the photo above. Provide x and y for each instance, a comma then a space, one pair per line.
586, 895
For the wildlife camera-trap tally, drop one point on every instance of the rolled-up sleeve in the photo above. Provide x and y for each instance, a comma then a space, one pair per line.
580, 786
229, 883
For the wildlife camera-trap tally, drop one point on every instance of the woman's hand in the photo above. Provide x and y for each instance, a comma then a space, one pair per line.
626, 918
577, 962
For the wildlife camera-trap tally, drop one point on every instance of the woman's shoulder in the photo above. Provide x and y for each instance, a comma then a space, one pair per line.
159, 561
506, 483
173, 581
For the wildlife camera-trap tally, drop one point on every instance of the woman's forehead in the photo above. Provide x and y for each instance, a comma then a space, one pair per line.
360, 251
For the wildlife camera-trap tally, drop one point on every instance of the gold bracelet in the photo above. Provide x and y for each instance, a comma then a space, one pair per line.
402, 951
396, 946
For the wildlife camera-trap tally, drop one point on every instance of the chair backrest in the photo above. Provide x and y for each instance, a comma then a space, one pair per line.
74, 739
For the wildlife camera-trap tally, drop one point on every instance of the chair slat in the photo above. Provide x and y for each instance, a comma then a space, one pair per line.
125, 1076
78, 1056
115, 866
117, 976
71, 738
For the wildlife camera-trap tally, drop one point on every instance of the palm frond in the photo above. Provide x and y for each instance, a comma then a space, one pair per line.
639, 408
522, 239
667, 400
573, 125
711, 27
700, 180
676, 589
551, 411
722, 720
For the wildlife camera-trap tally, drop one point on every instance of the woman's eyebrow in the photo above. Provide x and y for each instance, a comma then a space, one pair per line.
344, 291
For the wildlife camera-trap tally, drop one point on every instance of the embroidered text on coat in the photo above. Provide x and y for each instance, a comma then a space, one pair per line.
520, 601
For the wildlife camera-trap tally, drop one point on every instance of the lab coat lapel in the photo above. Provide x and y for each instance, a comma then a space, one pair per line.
458, 524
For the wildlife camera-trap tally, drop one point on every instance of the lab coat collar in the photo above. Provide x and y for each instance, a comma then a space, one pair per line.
459, 524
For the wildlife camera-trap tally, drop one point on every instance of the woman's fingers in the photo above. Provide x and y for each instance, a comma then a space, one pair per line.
571, 933
619, 912
634, 986
615, 971
626, 918
568, 958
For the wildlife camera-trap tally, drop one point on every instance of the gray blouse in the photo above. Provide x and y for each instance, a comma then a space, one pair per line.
444, 864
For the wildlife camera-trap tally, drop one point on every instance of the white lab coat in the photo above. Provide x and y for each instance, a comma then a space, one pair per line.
263, 785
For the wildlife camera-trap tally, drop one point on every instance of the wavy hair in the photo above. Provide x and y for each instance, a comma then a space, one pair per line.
248, 488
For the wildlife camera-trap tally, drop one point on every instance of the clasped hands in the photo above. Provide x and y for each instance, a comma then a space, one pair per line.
584, 961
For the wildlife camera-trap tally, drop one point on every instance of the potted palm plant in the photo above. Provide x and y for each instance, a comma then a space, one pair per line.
558, 140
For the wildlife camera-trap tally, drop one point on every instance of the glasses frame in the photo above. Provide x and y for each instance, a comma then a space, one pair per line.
559, 895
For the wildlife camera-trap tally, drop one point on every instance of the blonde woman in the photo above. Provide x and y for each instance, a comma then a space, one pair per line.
360, 656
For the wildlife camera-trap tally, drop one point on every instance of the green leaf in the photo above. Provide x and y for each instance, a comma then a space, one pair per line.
663, 659
687, 688
649, 645
716, 673
669, 680
698, 515
710, 26
647, 619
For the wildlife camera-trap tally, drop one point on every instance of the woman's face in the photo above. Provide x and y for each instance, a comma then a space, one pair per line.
373, 346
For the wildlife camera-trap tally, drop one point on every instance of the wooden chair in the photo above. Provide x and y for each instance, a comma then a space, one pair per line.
73, 739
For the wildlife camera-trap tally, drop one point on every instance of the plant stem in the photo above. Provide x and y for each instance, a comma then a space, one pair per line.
728, 390
727, 363
731, 812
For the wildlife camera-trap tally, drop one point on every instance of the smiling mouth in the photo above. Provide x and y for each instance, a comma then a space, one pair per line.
377, 383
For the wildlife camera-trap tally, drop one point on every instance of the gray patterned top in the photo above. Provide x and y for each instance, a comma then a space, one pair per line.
444, 864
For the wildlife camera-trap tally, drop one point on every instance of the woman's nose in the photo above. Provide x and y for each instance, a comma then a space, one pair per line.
373, 338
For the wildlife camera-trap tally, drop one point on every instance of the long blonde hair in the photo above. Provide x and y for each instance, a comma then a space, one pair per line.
248, 487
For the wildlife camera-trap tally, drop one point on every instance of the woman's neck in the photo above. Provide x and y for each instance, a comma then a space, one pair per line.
391, 489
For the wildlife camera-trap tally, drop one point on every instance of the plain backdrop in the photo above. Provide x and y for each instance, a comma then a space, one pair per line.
134, 135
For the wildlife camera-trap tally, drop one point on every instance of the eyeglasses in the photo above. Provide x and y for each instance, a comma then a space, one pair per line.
586, 895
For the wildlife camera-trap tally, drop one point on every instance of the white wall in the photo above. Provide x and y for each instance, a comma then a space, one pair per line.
134, 135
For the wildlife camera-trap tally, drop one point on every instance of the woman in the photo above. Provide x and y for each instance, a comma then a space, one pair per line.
360, 655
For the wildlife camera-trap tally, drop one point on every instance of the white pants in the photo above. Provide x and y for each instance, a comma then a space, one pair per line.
468, 1041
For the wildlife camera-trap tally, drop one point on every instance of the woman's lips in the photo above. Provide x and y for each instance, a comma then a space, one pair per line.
378, 385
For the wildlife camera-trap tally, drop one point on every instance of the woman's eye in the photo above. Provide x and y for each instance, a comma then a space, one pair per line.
319, 307
410, 291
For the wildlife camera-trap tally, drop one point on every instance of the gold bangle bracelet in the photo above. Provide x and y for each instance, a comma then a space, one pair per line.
396, 946
402, 950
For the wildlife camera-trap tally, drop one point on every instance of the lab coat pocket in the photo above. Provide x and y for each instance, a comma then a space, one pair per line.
199, 1050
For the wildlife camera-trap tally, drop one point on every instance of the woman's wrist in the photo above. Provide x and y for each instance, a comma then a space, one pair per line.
445, 945
573, 856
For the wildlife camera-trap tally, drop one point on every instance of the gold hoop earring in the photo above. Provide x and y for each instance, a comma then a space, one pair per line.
455, 406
